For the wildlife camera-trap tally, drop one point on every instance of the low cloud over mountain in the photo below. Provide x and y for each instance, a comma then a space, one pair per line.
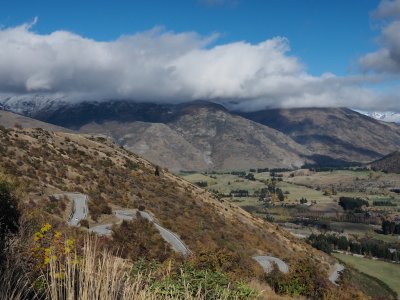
163, 66
387, 57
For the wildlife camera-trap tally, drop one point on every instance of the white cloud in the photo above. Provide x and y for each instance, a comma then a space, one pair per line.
162, 66
387, 9
387, 58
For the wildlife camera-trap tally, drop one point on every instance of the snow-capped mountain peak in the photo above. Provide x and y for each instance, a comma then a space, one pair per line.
386, 116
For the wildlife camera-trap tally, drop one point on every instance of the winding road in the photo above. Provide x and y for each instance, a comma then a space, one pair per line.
266, 262
127, 215
79, 208
80, 211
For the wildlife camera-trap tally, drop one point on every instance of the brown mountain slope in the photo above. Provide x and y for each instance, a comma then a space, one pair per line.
10, 120
204, 136
339, 133
156, 142
232, 142
389, 163
47, 163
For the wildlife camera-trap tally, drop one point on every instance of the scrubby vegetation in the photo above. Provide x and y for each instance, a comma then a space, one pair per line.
222, 237
304, 280
139, 239
92, 274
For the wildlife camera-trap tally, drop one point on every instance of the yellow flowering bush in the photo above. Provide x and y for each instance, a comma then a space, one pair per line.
49, 244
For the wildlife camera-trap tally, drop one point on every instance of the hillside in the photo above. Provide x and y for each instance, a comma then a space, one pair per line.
53, 163
390, 163
157, 142
232, 142
338, 133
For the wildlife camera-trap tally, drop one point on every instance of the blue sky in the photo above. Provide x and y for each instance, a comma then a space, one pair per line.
328, 36
247, 54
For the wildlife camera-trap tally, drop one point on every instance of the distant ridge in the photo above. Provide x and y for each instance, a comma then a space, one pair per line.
389, 163
336, 133
10, 120
202, 135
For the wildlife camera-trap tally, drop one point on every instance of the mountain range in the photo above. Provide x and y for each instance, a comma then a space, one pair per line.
202, 135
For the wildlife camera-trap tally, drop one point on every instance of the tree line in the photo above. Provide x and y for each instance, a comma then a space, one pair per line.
369, 247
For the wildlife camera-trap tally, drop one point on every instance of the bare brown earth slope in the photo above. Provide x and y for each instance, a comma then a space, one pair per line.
47, 163
337, 133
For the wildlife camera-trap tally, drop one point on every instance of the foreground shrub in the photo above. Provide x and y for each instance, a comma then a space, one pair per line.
139, 239
186, 282
95, 274
304, 280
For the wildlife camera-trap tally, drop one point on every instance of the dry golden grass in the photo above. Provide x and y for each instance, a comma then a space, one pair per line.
93, 275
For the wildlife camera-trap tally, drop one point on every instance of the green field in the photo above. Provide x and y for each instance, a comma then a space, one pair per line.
297, 192
387, 272
311, 185
371, 286
224, 183
366, 184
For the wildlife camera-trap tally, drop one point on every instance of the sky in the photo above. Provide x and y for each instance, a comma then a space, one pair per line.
247, 54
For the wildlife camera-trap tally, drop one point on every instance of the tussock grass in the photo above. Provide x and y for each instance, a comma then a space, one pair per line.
12, 286
93, 275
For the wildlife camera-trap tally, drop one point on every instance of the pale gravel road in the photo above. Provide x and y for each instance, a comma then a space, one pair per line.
80, 211
266, 262
80, 208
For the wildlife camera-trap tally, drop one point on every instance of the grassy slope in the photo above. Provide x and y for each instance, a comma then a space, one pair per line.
48, 163
371, 286
387, 272
9, 120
